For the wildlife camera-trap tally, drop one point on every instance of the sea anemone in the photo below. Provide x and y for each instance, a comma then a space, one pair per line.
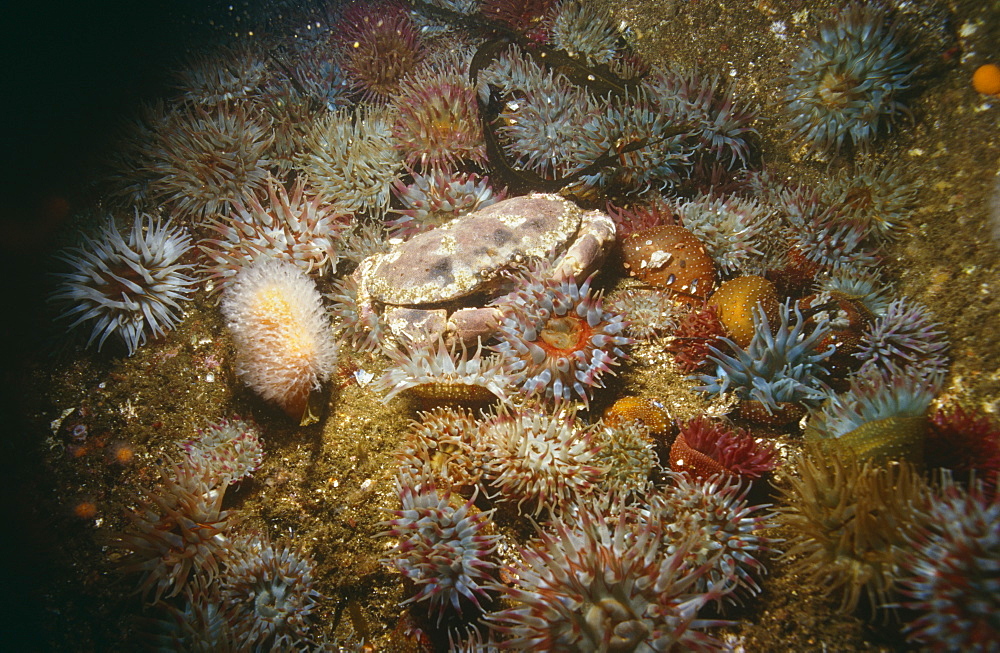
859, 285
822, 236
443, 445
704, 448
848, 318
584, 32
652, 153
438, 125
878, 417
719, 532
544, 460
848, 82
432, 199
229, 73
715, 122
315, 76
546, 122
364, 239
849, 523
671, 257
443, 547
556, 340
128, 177
230, 448
293, 118
380, 46
738, 298
127, 288
357, 323
904, 340
443, 373
200, 623
950, 575
878, 199
297, 227
626, 455
205, 159
284, 342
179, 531
966, 442
269, 591
731, 228
651, 312
698, 333
352, 156
605, 584
783, 367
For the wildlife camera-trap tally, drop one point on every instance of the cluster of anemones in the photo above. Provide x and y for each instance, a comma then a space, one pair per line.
651, 131
215, 588
180, 531
619, 565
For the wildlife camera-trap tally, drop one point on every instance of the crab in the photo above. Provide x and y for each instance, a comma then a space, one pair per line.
439, 284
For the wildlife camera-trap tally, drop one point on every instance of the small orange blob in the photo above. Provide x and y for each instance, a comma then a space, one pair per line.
121, 453
640, 409
736, 300
85, 510
986, 79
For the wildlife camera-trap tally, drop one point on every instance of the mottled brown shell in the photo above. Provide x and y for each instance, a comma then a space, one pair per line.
463, 256
671, 257
736, 299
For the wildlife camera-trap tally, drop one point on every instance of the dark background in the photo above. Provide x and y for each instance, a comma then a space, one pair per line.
70, 72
